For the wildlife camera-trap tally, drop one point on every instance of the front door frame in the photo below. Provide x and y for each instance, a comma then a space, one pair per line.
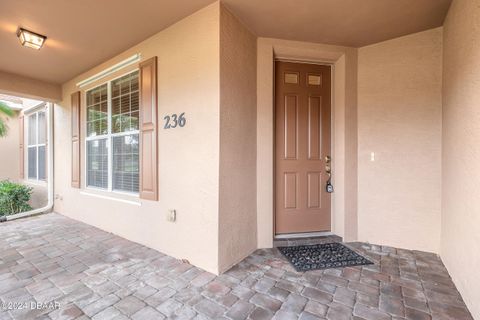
344, 132
332, 140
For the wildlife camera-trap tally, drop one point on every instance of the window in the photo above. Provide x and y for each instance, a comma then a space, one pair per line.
36, 146
112, 153
291, 77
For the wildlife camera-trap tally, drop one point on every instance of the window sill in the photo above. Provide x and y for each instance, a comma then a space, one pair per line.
35, 182
128, 199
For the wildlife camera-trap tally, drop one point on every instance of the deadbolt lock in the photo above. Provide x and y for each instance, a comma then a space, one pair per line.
328, 170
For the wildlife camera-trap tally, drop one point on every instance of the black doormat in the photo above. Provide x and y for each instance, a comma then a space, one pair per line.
322, 256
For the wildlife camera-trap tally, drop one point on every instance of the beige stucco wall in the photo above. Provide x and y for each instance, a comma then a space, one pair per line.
350, 223
14, 84
188, 81
460, 235
238, 107
344, 62
9, 150
39, 198
399, 119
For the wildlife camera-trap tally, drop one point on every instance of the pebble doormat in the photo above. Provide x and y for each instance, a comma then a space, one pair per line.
322, 256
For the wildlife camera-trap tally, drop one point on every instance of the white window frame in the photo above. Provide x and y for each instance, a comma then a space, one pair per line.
36, 145
109, 137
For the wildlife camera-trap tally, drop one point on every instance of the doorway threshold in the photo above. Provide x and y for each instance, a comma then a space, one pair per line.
303, 235
310, 238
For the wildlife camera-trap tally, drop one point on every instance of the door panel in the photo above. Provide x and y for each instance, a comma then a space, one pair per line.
290, 190
302, 130
314, 190
291, 127
314, 126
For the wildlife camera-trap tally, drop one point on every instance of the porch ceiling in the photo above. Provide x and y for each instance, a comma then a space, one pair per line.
82, 34
353, 23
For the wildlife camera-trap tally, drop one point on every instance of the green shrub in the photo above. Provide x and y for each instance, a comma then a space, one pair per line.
14, 198
5, 112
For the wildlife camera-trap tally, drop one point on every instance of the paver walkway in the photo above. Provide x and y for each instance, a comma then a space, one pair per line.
89, 273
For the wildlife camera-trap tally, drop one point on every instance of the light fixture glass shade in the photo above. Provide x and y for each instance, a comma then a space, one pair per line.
30, 39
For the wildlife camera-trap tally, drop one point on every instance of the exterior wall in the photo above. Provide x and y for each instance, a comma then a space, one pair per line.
399, 118
460, 235
9, 151
344, 136
188, 81
17, 85
238, 107
350, 222
39, 197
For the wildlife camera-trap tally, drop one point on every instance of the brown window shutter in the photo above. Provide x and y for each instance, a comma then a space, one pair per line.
148, 130
22, 147
76, 139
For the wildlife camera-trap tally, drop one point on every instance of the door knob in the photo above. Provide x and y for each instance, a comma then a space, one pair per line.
328, 159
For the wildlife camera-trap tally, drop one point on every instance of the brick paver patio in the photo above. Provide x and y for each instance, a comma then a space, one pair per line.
89, 273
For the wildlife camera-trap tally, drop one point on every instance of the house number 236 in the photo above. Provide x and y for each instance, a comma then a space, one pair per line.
174, 120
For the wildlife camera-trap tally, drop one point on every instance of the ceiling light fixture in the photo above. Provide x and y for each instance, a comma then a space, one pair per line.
30, 39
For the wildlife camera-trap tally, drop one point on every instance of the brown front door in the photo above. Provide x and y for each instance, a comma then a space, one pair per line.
302, 112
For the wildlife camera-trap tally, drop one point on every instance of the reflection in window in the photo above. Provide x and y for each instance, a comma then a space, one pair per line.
125, 163
97, 163
125, 104
97, 111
